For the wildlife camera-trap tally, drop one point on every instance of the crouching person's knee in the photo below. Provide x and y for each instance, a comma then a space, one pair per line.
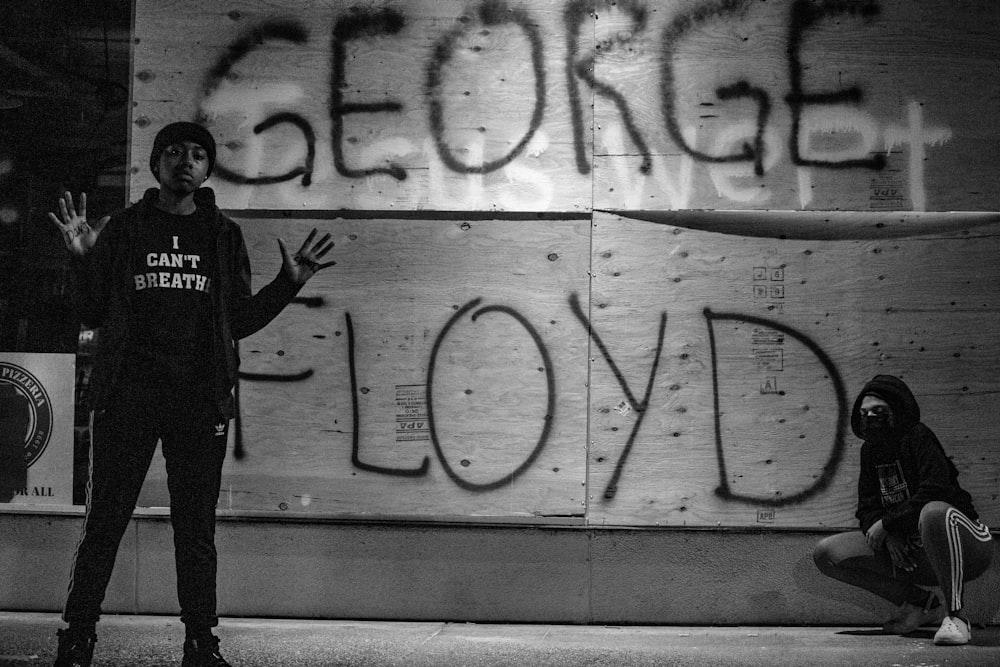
823, 555
933, 515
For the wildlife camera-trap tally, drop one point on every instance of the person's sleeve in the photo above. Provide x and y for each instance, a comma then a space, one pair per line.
869, 498
934, 480
91, 279
249, 313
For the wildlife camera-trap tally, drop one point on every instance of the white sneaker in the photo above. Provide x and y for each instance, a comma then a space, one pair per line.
954, 631
908, 617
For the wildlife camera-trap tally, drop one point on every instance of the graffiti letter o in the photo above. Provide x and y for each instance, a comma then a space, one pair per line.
491, 13
549, 410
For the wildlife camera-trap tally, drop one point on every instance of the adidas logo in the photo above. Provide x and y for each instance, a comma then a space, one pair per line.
220, 429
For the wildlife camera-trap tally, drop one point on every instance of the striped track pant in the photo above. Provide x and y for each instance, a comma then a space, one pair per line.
955, 549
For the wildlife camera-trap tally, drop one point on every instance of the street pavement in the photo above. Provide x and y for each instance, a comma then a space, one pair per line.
28, 639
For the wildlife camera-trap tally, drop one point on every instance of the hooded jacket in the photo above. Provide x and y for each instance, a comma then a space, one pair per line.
902, 475
104, 291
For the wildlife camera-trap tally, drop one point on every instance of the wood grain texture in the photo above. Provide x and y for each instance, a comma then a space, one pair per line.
493, 132
902, 80
680, 104
779, 293
743, 420
758, 332
496, 415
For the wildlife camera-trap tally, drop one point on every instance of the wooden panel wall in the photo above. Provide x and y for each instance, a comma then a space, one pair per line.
750, 104
746, 245
567, 105
467, 319
433, 104
766, 342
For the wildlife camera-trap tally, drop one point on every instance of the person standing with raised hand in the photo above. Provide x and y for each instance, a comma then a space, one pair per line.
167, 280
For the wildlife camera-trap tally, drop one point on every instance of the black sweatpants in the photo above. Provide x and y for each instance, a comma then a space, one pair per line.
123, 440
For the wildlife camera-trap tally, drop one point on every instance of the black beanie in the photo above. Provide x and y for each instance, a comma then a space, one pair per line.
176, 133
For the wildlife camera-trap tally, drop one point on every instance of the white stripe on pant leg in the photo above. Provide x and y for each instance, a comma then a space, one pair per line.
978, 529
955, 520
955, 550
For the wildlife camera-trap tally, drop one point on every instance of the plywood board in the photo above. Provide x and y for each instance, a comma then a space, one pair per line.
435, 371
672, 365
430, 104
764, 344
748, 104
568, 105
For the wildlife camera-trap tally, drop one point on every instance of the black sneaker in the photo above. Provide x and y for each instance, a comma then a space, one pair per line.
75, 649
203, 653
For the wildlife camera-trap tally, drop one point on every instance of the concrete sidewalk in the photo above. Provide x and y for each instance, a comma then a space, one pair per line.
28, 639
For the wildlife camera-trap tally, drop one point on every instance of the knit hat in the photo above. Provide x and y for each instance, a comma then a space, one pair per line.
179, 132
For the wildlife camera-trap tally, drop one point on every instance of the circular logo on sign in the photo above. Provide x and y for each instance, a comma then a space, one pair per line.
25, 412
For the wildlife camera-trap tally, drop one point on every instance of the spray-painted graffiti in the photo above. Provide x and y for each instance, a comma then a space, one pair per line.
550, 405
239, 446
744, 147
639, 406
491, 13
575, 16
348, 28
836, 452
474, 309
290, 31
355, 413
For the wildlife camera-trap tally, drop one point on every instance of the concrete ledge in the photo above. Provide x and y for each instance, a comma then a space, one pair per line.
477, 573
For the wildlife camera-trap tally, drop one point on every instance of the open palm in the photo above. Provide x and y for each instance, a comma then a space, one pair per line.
304, 264
79, 235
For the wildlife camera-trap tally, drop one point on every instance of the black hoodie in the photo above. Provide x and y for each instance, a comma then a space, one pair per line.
910, 470
104, 286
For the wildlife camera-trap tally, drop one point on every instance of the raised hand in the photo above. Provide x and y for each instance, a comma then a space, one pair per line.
79, 235
306, 262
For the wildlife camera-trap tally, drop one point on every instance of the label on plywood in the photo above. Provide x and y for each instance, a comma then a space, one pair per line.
411, 413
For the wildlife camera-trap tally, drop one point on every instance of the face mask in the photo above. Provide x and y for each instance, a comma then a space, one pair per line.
877, 429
